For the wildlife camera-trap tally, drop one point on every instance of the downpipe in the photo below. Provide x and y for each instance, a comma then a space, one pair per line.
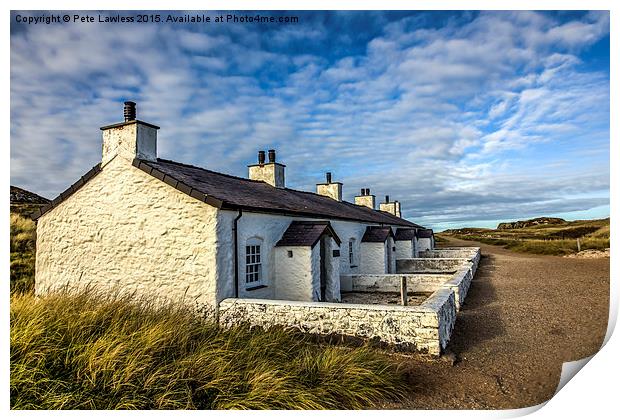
236, 241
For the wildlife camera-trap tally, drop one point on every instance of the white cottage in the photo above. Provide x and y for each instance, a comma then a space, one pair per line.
162, 228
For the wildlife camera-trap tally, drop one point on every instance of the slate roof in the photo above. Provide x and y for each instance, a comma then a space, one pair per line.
306, 233
424, 233
404, 234
229, 192
377, 234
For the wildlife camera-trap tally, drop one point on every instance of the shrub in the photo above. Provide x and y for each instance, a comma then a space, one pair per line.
90, 351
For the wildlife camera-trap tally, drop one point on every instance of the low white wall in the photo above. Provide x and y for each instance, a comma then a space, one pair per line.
391, 282
470, 253
426, 328
430, 265
385, 283
449, 253
459, 284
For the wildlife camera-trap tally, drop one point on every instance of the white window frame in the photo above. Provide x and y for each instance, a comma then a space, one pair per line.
254, 263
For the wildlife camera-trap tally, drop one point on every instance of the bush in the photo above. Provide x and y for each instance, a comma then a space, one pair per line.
89, 351
23, 237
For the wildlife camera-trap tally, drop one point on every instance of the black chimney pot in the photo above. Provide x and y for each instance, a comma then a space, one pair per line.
272, 156
387, 198
261, 157
328, 177
367, 191
130, 111
363, 191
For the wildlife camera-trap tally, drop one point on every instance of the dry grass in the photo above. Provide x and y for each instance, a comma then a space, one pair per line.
23, 237
543, 239
89, 351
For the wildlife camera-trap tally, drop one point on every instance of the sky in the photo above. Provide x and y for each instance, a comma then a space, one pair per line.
466, 118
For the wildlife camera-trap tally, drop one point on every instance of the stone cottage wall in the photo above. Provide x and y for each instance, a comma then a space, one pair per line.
125, 230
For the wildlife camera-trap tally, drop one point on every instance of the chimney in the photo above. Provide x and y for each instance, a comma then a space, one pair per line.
129, 139
365, 199
271, 172
392, 207
330, 189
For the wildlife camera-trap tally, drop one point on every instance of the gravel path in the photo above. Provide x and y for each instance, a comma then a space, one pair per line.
524, 315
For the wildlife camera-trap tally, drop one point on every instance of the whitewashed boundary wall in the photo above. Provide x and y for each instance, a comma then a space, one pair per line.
425, 328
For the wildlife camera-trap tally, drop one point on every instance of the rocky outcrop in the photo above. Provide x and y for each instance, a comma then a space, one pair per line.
22, 196
531, 222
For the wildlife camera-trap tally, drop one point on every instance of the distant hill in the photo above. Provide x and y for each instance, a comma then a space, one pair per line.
532, 222
543, 235
25, 202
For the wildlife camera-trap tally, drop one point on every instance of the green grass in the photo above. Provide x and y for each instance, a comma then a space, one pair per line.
90, 351
23, 237
543, 239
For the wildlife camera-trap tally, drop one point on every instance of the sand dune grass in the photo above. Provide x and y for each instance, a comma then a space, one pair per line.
89, 351
23, 237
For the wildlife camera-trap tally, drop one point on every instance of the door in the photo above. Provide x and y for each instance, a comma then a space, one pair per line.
323, 264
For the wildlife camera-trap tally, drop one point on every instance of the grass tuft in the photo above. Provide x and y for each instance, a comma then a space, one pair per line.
23, 238
92, 351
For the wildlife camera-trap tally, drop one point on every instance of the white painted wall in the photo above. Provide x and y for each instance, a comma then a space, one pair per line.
266, 227
316, 274
424, 244
345, 231
125, 229
404, 249
294, 275
269, 229
332, 294
373, 258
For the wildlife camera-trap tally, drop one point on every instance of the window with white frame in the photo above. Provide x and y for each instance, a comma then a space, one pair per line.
253, 263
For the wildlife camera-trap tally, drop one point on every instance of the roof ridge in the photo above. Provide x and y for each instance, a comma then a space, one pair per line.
395, 219
363, 208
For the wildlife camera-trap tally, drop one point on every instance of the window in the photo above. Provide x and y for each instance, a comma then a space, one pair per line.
351, 255
253, 263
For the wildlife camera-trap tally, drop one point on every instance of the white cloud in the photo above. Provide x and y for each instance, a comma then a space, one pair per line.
423, 114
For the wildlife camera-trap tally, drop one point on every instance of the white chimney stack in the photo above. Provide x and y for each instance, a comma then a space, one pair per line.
130, 139
392, 207
271, 172
330, 189
365, 199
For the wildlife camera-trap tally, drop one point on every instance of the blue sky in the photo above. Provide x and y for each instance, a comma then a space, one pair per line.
467, 118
